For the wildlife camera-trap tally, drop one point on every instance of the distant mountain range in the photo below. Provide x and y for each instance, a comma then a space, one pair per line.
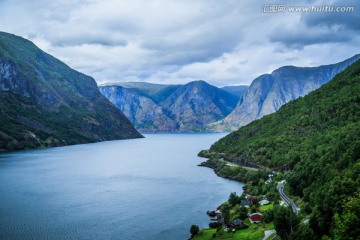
198, 106
172, 108
45, 103
269, 92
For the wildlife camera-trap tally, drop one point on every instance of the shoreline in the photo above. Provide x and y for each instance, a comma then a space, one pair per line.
241, 174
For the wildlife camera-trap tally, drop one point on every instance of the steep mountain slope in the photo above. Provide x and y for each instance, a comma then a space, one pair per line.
170, 108
46, 103
142, 111
197, 103
317, 137
269, 92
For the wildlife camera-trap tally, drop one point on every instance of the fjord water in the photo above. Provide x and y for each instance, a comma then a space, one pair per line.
145, 188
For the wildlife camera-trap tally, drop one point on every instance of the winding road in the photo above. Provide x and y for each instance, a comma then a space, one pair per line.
285, 198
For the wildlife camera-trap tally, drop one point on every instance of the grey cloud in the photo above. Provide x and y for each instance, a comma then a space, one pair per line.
175, 41
207, 44
320, 27
344, 20
104, 40
196, 50
299, 38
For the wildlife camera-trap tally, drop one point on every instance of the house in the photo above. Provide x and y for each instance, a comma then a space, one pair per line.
253, 199
264, 202
236, 223
255, 217
245, 202
218, 213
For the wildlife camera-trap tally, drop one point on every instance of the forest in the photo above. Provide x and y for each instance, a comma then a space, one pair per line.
315, 141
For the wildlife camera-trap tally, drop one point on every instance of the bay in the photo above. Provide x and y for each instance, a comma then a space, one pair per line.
147, 188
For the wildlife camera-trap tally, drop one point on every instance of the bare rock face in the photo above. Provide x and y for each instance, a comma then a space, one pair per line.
269, 92
197, 104
168, 108
143, 112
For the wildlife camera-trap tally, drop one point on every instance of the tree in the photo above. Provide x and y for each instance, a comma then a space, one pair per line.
234, 199
285, 221
225, 210
307, 208
241, 211
347, 225
254, 209
302, 232
268, 216
194, 229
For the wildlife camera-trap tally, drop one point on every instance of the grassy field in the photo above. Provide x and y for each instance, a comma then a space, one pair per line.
205, 234
270, 226
247, 234
254, 232
266, 207
230, 164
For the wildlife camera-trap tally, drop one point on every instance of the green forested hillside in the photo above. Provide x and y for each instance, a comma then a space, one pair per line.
43, 102
317, 137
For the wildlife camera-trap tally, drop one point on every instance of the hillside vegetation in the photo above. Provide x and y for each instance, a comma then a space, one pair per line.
43, 102
268, 92
316, 139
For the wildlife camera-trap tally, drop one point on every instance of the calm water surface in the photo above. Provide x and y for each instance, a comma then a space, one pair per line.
132, 189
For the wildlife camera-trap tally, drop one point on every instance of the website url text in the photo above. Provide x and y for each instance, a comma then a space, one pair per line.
279, 8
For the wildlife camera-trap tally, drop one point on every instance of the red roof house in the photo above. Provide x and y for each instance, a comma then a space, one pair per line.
255, 217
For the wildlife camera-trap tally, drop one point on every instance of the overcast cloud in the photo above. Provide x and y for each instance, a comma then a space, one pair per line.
227, 42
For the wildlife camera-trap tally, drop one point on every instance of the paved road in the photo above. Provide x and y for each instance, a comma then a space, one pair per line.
268, 233
286, 199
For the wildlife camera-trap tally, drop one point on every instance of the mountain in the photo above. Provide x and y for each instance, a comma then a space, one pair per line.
236, 91
269, 92
142, 111
198, 103
170, 108
46, 103
316, 139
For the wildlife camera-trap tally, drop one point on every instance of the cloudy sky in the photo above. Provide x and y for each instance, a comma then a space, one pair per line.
225, 42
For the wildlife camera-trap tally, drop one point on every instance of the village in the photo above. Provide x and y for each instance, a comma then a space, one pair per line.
250, 215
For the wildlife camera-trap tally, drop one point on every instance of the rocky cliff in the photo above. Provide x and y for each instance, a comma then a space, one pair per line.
170, 108
142, 111
197, 104
269, 92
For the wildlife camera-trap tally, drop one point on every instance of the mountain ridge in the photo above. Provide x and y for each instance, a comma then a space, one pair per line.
268, 92
176, 103
55, 105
